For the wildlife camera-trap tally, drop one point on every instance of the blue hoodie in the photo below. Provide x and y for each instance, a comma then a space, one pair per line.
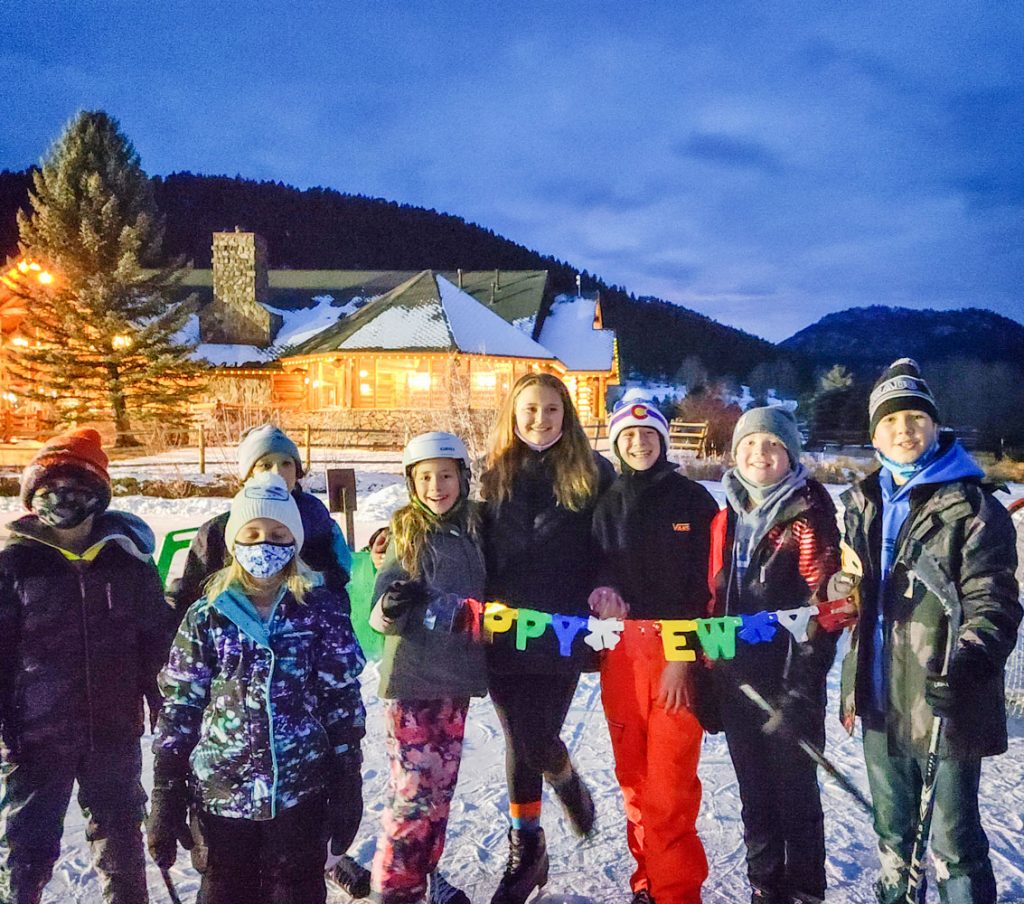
951, 463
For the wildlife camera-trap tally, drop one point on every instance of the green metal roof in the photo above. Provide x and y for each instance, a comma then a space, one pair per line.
519, 293
427, 312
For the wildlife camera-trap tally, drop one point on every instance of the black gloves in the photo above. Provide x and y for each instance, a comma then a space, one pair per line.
401, 596
345, 803
167, 825
968, 669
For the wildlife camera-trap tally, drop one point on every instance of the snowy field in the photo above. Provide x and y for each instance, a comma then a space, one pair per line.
590, 872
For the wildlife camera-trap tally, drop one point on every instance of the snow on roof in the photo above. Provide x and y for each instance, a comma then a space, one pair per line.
304, 323
233, 355
569, 332
426, 312
476, 328
417, 327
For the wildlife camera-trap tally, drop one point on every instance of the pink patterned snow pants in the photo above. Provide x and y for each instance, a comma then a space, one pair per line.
424, 744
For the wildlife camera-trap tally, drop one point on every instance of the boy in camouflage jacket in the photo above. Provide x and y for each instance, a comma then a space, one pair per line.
926, 509
262, 715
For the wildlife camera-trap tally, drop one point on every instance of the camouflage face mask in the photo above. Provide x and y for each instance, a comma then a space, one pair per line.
65, 506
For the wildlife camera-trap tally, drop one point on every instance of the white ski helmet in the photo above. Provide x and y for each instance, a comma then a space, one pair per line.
436, 444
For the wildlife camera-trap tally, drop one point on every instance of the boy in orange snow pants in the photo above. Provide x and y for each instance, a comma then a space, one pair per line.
653, 526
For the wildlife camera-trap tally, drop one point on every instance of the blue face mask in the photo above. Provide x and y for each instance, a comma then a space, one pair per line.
264, 560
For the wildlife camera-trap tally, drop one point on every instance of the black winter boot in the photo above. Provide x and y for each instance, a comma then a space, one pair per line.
764, 896
577, 803
441, 891
642, 897
25, 883
351, 877
527, 867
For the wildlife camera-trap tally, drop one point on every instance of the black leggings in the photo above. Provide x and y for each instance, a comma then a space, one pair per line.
532, 709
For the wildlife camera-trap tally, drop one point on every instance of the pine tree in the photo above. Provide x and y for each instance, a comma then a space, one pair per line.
101, 336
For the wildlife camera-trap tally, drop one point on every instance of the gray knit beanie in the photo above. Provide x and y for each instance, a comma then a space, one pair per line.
900, 388
773, 419
263, 440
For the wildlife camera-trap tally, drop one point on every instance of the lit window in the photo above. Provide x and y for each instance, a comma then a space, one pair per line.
419, 382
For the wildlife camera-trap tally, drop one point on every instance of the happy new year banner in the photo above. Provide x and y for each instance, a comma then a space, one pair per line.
682, 639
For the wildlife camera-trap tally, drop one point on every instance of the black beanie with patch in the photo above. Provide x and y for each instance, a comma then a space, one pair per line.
900, 388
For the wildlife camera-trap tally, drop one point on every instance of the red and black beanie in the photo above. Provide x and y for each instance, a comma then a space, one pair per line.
77, 454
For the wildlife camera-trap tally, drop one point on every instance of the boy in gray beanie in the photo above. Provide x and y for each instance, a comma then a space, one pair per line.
773, 547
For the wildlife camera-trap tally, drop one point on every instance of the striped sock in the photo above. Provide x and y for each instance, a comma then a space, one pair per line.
525, 817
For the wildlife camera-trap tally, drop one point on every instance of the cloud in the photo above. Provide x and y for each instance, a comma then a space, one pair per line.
729, 151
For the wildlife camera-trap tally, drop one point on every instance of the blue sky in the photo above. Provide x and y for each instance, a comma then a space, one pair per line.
763, 163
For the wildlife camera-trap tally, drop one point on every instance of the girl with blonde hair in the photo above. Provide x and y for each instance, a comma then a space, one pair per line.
539, 488
262, 716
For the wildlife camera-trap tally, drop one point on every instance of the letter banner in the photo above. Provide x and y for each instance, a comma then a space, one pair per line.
681, 639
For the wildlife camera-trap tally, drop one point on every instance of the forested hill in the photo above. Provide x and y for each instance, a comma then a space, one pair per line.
867, 339
320, 228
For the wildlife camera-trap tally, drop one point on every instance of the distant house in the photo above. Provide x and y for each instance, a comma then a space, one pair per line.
353, 342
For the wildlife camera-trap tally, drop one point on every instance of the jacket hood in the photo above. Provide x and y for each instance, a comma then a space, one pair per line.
129, 531
953, 462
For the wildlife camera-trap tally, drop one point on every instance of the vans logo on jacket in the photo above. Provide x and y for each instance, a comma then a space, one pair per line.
681, 527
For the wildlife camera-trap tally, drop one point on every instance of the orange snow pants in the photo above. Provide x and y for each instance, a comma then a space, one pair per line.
656, 754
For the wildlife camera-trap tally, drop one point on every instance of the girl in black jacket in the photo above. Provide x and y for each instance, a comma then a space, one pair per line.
539, 487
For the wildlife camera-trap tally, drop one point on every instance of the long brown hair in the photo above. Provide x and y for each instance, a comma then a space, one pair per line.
572, 461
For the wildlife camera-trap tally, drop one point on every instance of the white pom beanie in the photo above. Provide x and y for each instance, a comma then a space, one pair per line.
263, 496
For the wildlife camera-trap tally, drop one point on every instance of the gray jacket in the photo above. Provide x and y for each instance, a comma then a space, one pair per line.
423, 659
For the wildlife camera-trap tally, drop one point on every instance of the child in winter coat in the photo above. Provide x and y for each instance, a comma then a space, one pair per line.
267, 449
539, 488
262, 716
430, 667
653, 527
775, 546
83, 632
925, 534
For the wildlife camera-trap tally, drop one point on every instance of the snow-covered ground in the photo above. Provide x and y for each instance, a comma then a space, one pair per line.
595, 871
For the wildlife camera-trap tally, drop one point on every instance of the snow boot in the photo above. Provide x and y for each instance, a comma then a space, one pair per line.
26, 883
350, 877
577, 803
642, 897
441, 891
527, 867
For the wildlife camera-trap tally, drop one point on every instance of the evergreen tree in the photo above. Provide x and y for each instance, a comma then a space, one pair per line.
102, 334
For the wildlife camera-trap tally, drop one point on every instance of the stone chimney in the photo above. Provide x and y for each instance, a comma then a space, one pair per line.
240, 288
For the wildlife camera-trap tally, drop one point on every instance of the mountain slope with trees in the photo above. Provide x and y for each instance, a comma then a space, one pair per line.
867, 339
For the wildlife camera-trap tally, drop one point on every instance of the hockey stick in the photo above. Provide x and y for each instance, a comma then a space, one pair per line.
811, 751
930, 574
172, 892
